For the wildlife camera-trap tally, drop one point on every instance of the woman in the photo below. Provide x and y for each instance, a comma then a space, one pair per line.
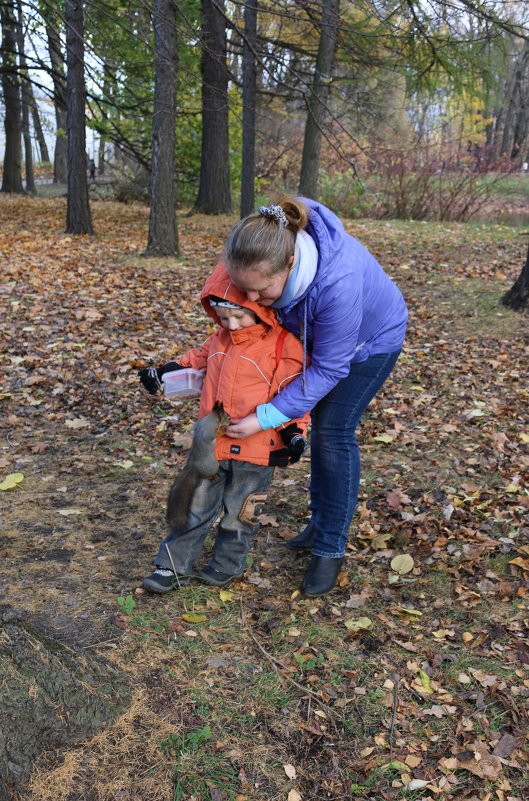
351, 318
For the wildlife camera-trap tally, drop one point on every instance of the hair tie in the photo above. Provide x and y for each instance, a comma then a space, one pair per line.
274, 212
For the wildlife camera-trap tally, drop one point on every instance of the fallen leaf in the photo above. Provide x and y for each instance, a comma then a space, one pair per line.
416, 784
11, 481
193, 617
294, 796
126, 465
67, 512
357, 625
77, 422
290, 770
402, 564
386, 438
505, 746
226, 595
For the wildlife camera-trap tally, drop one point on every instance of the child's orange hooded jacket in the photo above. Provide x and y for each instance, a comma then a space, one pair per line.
243, 369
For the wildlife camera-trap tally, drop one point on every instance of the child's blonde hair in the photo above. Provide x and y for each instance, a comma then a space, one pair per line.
266, 236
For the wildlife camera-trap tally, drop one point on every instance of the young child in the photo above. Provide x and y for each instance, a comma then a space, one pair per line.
248, 360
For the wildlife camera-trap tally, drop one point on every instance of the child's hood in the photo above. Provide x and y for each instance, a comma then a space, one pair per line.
220, 284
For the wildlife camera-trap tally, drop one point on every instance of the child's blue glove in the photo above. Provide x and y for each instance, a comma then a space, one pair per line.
151, 377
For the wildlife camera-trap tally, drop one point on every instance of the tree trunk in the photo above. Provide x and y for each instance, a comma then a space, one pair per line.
107, 89
78, 219
517, 297
514, 100
39, 133
214, 195
101, 155
310, 161
12, 177
53, 695
26, 106
163, 233
60, 158
249, 75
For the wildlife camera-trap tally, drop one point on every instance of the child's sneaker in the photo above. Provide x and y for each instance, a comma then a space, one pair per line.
209, 575
163, 580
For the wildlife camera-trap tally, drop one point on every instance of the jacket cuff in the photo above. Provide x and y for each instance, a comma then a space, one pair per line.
269, 416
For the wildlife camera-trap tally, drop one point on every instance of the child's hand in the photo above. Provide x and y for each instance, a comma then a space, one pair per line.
151, 377
240, 429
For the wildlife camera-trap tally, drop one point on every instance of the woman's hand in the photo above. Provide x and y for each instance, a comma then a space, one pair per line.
245, 427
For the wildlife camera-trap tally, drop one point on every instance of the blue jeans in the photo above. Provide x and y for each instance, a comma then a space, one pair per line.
335, 456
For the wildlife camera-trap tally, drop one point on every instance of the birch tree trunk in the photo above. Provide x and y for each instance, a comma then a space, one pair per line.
26, 98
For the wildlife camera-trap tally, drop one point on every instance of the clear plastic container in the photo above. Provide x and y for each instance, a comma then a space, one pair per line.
186, 383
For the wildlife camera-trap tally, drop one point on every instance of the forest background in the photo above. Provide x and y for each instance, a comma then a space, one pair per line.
411, 680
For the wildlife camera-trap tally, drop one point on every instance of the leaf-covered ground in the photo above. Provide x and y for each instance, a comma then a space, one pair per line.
397, 685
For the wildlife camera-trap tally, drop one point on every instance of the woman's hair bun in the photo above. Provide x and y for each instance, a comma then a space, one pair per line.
296, 212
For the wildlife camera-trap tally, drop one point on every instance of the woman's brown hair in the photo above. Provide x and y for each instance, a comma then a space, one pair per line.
264, 236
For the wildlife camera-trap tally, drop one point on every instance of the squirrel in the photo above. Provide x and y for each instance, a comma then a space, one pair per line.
201, 463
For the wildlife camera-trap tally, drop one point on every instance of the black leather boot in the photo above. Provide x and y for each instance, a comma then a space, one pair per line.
320, 576
303, 541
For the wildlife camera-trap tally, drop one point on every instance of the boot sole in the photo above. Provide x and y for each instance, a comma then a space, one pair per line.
213, 583
159, 589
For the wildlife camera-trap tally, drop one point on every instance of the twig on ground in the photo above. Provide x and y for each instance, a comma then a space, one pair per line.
395, 679
276, 664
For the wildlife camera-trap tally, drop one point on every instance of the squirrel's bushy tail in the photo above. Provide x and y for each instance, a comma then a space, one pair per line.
179, 499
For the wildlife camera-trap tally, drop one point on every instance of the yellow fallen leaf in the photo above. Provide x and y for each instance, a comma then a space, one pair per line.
225, 596
406, 610
520, 562
356, 625
11, 480
383, 438
365, 752
293, 796
402, 563
193, 617
394, 764
425, 681
126, 465
524, 437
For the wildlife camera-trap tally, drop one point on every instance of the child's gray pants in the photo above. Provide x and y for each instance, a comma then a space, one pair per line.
238, 493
